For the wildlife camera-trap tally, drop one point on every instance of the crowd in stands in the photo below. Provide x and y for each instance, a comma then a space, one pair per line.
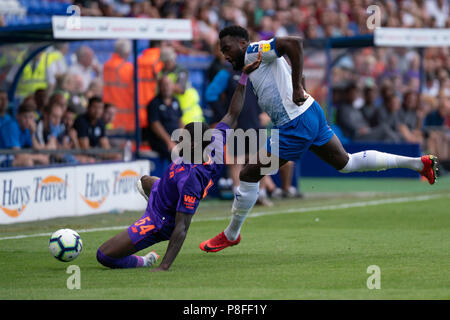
377, 93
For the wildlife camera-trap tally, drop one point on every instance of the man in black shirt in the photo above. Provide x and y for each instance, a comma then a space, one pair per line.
91, 129
164, 116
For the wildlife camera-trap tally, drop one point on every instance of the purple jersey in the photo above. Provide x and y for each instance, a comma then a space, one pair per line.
182, 186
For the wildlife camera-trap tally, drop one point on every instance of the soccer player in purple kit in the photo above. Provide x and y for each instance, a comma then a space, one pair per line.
173, 199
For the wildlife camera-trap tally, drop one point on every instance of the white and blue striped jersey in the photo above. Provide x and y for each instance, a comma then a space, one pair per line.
272, 83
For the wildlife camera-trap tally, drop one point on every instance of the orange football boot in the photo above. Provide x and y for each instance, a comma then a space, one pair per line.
429, 170
218, 243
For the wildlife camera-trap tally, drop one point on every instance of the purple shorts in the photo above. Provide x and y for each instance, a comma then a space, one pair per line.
150, 228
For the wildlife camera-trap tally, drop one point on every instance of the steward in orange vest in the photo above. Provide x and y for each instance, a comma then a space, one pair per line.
118, 86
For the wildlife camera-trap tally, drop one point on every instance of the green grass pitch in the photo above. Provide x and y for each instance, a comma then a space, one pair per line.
319, 247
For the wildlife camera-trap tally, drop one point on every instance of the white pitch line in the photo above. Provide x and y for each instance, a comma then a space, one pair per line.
267, 213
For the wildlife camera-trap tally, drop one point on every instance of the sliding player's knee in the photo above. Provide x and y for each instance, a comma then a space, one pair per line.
147, 183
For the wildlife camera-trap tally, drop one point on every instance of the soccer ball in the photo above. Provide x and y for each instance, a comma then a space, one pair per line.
65, 245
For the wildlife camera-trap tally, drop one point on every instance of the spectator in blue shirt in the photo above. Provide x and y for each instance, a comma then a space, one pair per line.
19, 135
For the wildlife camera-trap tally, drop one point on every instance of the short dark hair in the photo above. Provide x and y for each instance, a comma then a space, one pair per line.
93, 100
234, 31
71, 108
27, 105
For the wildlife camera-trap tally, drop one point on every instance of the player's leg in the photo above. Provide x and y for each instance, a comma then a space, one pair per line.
244, 200
334, 154
118, 246
145, 184
327, 146
118, 252
287, 142
245, 197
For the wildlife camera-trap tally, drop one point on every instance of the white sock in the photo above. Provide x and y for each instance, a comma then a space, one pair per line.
372, 160
244, 200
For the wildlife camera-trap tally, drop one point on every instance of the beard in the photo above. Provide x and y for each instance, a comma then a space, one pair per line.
239, 62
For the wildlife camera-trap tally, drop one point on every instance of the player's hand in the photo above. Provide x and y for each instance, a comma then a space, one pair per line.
298, 95
253, 66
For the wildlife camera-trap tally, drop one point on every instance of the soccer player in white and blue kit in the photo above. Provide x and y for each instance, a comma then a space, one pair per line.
300, 122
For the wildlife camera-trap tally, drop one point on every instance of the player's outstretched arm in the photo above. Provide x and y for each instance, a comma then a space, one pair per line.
237, 101
182, 223
293, 48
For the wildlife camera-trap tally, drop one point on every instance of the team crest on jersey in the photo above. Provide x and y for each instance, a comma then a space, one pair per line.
264, 47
